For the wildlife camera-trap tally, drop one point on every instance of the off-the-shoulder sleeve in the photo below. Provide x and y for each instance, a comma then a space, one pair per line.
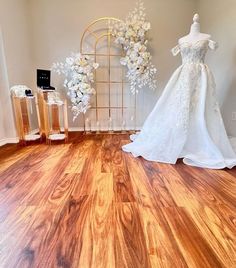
175, 50
213, 45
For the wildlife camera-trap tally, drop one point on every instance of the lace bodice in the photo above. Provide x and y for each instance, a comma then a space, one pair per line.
194, 53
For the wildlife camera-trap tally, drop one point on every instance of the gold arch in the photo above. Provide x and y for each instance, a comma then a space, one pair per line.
89, 30
108, 19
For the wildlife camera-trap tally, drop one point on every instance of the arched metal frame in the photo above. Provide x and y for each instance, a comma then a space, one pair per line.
107, 34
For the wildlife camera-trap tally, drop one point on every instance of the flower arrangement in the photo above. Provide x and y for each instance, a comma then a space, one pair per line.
131, 34
54, 98
19, 90
78, 71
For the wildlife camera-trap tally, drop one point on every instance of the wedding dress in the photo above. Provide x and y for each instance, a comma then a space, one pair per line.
186, 121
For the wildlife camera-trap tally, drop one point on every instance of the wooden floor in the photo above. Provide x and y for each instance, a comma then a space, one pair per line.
88, 204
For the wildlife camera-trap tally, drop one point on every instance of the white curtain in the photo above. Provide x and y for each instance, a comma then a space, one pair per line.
7, 125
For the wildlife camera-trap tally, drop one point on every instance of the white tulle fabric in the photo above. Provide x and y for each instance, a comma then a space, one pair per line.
186, 121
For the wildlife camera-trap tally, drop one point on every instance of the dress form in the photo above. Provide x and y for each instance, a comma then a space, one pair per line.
195, 35
186, 121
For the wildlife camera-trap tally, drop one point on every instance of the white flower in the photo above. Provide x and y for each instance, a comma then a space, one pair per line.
95, 65
79, 95
141, 33
133, 55
73, 100
146, 26
91, 91
123, 61
54, 98
140, 61
78, 70
72, 94
131, 34
70, 61
19, 90
85, 99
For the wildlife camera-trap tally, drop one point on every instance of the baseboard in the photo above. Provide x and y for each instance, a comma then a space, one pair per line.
16, 139
8, 140
79, 129
75, 129
71, 129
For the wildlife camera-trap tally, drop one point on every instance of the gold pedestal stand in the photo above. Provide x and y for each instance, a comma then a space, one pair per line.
42, 96
53, 131
24, 127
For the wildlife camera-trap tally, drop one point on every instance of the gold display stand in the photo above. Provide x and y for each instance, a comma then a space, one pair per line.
99, 31
42, 96
23, 125
51, 116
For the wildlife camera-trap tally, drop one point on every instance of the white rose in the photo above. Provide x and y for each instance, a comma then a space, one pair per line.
85, 99
123, 61
95, 65
74, 88
141, 32
84, 85
133, 55
70, 84
74, 108
146, 26
70, 61
72, 94
79, 95
139, 60
80, 69
73, 100
136, 46
87, 69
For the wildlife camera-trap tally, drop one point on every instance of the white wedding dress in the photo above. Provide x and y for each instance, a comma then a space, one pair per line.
186, 121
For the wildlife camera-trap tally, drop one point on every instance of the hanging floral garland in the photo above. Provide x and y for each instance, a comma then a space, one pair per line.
78, 70
131, 34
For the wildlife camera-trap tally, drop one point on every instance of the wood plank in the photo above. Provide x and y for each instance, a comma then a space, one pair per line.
10, 154
123, 188
162, 248
98, 251
88, 204
193, 246
130, 246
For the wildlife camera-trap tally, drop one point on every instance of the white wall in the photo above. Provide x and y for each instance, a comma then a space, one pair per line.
57, 26
15, 59
15, 23
219, 19
38, 32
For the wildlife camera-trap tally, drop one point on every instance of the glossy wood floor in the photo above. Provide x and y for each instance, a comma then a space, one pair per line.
88, 204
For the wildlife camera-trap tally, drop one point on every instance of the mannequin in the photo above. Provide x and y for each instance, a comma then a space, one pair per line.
195, 35
186, 121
